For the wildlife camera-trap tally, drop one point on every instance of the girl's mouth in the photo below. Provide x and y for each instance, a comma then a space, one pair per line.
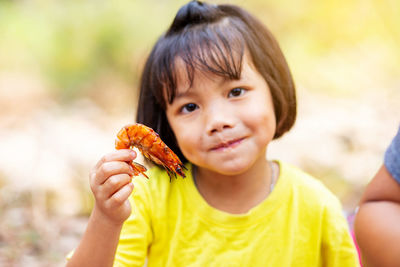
226, 145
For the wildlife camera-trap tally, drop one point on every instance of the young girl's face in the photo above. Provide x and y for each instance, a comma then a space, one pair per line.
220, 124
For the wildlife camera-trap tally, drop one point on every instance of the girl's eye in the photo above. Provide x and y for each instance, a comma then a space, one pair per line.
235, 92
189, 108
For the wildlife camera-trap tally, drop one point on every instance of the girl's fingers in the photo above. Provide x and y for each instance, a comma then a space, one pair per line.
117, 155
110, 168
119, 197
115, 183
122, 155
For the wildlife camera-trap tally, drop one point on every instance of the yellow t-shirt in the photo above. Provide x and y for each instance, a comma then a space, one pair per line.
299, 224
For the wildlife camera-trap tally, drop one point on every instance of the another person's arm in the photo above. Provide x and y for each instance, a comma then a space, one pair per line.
110, 181
377, 224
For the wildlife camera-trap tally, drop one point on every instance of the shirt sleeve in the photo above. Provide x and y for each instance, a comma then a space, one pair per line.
136, 234
392, 157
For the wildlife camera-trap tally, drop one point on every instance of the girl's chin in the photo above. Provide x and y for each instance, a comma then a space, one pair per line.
233, 166
229, 169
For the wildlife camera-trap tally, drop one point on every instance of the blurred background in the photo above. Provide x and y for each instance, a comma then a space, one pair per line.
68, 82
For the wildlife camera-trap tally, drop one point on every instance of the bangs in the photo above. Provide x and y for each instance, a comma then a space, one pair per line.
215, 49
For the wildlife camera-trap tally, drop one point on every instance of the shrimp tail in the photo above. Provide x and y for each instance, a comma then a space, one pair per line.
138, 169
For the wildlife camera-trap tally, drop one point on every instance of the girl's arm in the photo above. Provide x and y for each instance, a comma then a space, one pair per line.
110, 181
98, 244
377, 225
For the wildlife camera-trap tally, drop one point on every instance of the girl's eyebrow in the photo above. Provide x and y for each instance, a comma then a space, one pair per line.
180, 95
185, 93
189, 91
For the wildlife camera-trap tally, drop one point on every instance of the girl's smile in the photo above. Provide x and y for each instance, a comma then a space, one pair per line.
223, 146
223, 125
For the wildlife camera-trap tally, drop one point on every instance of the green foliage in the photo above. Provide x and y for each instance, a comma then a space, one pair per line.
73, 43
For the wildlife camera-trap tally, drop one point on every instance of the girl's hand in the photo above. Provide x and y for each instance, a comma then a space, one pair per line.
110, 182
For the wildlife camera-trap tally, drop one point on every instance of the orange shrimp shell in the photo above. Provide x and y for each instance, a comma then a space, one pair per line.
149, 143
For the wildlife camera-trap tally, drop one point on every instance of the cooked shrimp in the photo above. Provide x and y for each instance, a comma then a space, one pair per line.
151, 146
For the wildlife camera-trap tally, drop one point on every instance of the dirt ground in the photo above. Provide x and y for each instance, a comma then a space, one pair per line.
47, 153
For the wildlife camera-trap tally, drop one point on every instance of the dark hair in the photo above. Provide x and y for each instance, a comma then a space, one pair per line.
213, 38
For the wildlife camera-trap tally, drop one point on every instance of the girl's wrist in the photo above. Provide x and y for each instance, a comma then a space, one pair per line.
101, 219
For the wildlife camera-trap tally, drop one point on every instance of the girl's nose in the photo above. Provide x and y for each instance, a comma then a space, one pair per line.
219, 118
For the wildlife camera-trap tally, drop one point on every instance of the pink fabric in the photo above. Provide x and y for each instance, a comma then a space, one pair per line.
350, 220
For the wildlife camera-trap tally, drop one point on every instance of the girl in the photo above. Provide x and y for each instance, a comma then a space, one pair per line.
217, 89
